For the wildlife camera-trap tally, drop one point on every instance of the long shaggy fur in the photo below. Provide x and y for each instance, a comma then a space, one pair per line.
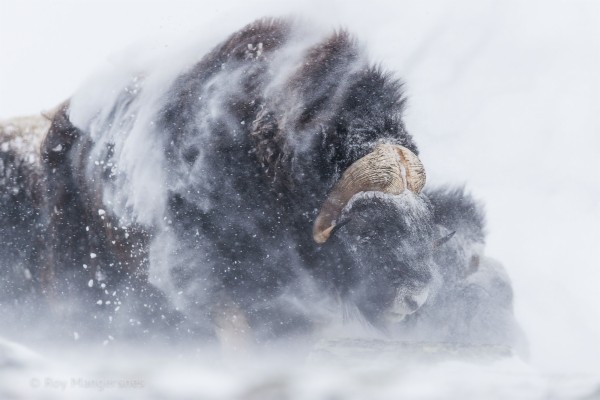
199, 191
252, 146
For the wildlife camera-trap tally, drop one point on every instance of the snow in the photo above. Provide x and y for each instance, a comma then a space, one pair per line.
110, 371
503, 96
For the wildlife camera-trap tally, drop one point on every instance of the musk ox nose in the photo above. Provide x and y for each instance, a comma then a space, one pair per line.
411, 304
406, 304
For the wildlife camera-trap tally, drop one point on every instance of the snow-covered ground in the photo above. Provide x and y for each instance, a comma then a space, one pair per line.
504, 97
141, 373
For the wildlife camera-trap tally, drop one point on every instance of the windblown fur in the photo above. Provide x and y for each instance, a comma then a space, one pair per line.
199, 190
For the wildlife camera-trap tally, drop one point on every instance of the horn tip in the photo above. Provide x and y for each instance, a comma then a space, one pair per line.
321, 236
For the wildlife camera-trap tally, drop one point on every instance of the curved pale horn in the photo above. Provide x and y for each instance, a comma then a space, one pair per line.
389, 168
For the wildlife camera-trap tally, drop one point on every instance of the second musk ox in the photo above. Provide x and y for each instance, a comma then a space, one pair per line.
251, 190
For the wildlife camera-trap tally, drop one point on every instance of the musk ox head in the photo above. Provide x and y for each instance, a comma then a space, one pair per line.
386, 227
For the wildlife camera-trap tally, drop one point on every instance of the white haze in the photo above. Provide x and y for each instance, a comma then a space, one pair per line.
504, 96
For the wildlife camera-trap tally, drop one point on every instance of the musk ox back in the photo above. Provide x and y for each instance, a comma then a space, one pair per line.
254, 190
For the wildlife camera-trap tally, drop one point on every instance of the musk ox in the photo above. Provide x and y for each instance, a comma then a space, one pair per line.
246, 193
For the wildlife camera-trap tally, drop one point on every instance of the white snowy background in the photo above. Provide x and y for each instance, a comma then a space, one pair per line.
504, 96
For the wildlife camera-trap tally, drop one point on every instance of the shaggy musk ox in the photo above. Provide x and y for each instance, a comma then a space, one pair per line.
268, 182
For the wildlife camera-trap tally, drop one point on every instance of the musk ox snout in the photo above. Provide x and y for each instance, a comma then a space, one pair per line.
390, 241
408, 302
